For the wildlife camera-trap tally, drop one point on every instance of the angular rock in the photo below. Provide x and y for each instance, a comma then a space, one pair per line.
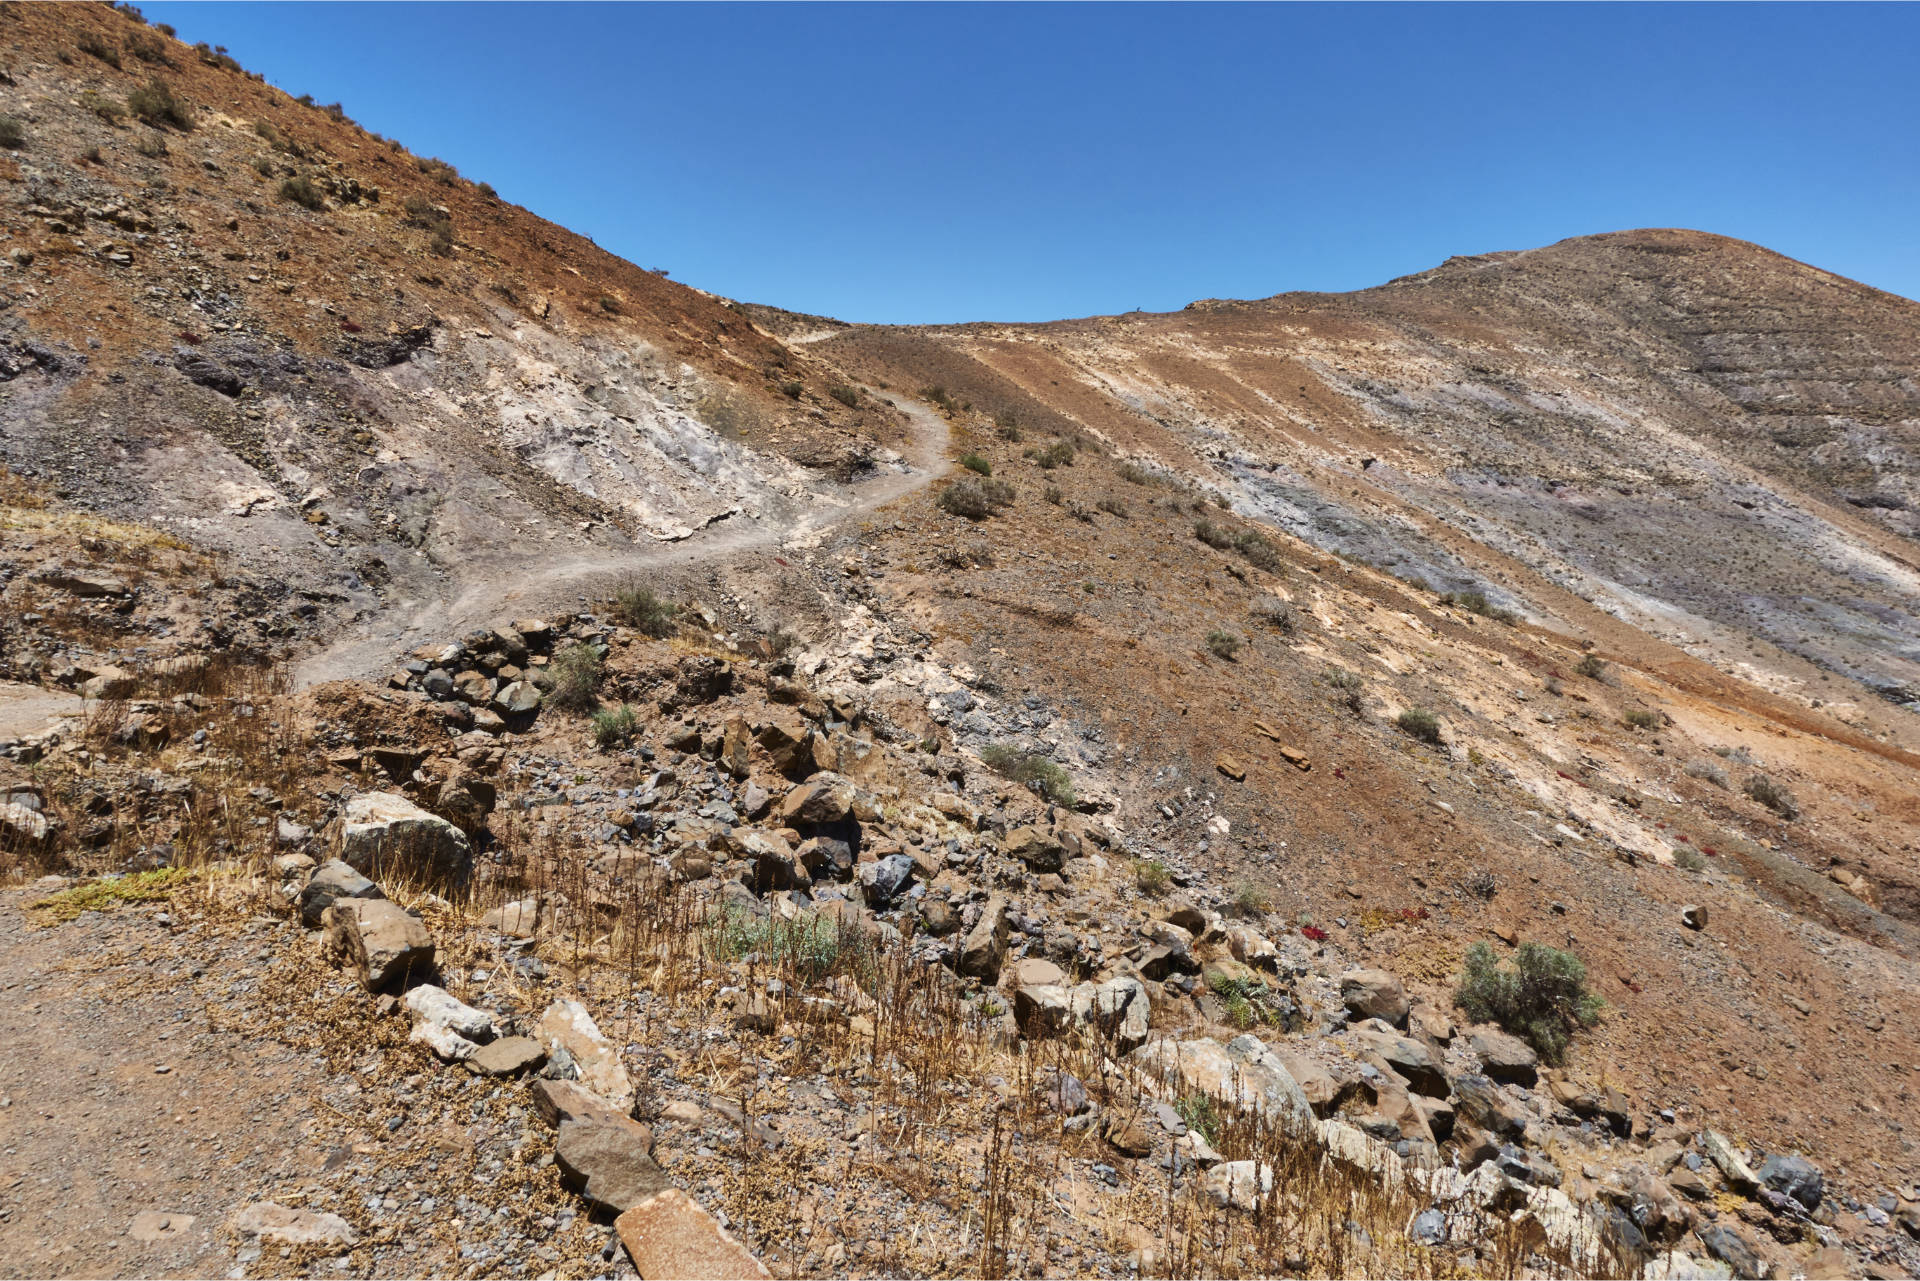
1738, 1174
1243, 1074
1374, 994
447, 1044
1036, 848
379, 940
1725, 1243
1238, 1185
387, 834
436, 1005
282, 1225
608, 1164
517, 698
333, 882
985, 947
885, 879
1505, 1058
824, 798
1794, 1176
508, 1056
519, 919
558, 1102
1410, 1059
736, 741
670, 1235
1039, 972
23, 828
1480, 1102
1324, 1094
566, 1025
1250, 947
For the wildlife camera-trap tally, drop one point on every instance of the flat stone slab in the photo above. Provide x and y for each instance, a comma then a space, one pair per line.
509, 1056
671, 1235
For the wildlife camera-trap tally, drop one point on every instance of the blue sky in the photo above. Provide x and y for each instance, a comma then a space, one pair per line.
921, 163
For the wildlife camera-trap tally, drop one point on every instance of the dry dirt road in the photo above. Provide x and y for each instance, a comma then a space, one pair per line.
509, 587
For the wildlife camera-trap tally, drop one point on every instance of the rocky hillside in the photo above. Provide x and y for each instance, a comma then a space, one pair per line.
555, 772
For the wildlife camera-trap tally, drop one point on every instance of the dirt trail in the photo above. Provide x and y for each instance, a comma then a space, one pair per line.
490, 591
28, 709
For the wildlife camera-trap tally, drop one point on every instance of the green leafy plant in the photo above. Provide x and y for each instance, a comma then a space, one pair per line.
641, 609
1419, 723
1043, 776
1201, 1114
1223, 643
576, 672
1152, 876
844, 394
976, 464
1542, 998
613, 726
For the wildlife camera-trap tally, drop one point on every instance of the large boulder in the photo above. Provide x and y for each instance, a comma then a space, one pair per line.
385, 834
985, 947
1118, 1010
1036, 848
885, 879
1374, 994
379, 940
1504, 1057
824, 798
1243, 1074
1794, 1176
333, 882
1411, 1059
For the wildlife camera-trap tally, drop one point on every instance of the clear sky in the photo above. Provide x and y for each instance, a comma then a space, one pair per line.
919, 163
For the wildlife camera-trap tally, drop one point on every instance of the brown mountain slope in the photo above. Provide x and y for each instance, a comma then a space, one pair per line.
252, 321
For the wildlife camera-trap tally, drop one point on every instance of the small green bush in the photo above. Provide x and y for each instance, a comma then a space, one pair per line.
98, 48
1708, 772
613, 726
976, 464
1477, 603
811, 947
1112, 506
1008, 425
1689, 859
1772, 794
844, 394
575, 671
1057, 453
1258, 551
1250, 899
1420, 723
1543, 999
301, 191
1223, 643
1351, 688
1135, 474
1201, 1114
1152, 877
1271, 611
1642, 718
1052, 494
13, 134
1213, 535
639, 608
154, 103
486, 191
792, 389
1036, 773
975, 500
1592, 667
263, 166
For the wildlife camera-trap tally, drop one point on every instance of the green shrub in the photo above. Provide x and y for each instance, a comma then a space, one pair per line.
975, 500
1420, 723
301, 191
13, 134
263, 166
1052, 494
1771, 794
792, 389
1057, 453
1543, 998
1008, 425
613, 726
1708, 772
1271, 611
152, 146
486, 191
1642, 718
1036, 773
154, 103
1351, 688
844, 394
1113, 507
1477, 603
1250, 899
1591, 667
639, 608
976, 464
1689, 859
811, 947
575, 672
1201, 1114
1152, 877
98, 48
1223, 643
1135, 474
1213, 535
148, 49
938, 395
1258, 551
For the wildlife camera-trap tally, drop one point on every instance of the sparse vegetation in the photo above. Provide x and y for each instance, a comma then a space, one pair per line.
1112, 506
641, 609
1057, 453
1052, 494
975, 500
1708, 772
976, 464
1007, 425
1772, 794
1419, 723
1351, 688
1480, 883
613, 726
792, 389
1212, 535
844, 394
95, 47
301, 191
1250, 899
1642, 718
1543, 998
575, 671
1593, 667
1135, 474
108, 893
1477, 603
486, 191
1273, 613
1689, 859
1222, 643
1152, 877
155, 104
152, 146
13, 134
1034, 772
